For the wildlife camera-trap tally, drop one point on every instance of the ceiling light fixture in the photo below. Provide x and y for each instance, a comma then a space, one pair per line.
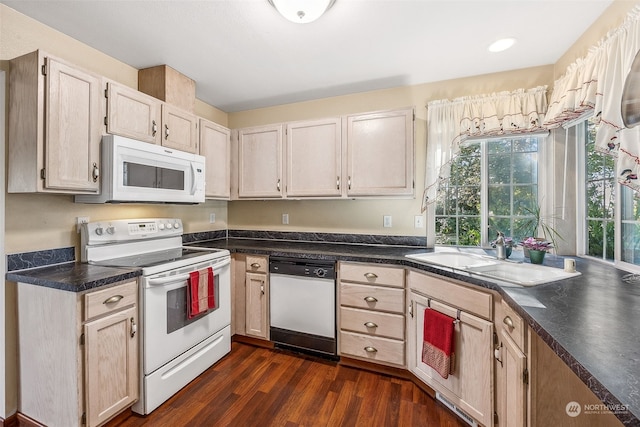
502, 44
302, 11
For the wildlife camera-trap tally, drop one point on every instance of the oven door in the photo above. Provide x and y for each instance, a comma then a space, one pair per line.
166, 330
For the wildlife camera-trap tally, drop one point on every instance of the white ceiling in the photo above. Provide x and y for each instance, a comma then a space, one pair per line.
244, 55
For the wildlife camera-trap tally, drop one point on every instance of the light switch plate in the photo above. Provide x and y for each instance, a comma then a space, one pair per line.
212, 218
79, 221
285, 218
418, 221
386, 221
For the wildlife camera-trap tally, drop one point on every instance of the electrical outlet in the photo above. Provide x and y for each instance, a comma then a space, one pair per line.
79, 221
386, 221
212, 218
285, 218
418, 221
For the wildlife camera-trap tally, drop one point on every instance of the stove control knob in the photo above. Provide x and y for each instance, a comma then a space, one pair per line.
161, 226
176, 225
111, 229
99, 231
321, 272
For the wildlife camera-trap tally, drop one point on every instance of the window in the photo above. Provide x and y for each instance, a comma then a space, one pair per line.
493, 186
607, 219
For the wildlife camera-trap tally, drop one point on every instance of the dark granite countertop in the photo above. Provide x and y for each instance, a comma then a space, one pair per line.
590, 321
73, 277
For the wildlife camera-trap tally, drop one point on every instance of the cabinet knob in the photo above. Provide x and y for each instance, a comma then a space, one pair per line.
370, 325
370, 299
96, 172
507, 321
113, 299
370, 349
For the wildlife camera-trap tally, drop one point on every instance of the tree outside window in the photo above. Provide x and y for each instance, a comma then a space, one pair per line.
510, 186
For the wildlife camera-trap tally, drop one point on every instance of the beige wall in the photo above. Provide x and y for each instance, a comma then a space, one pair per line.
48, 221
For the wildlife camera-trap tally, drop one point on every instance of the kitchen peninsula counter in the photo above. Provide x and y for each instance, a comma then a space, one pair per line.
590, 321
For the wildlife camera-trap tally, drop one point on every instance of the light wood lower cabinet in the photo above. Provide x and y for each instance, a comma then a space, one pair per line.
78, 353
371, 315
512, 373
470, 385
251, 296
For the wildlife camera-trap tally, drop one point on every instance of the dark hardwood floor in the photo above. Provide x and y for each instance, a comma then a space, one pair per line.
255, 386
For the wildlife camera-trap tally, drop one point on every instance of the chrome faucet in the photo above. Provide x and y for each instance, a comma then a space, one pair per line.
500, 248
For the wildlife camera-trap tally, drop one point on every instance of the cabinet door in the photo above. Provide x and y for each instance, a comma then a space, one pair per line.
215, 146
179, 129
511, 387
256, 320
470, 385
380, 154
133, 114
111, 365
73, 115
260, 162
314, 158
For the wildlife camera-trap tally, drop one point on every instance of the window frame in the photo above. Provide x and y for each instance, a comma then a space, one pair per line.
582, 239
544, 138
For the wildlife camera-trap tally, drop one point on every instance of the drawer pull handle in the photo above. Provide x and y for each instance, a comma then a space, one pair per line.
255, 265
370, 325
370, 349
262, 289
371, 275
507, 321
370, 299
134, 327
113, 299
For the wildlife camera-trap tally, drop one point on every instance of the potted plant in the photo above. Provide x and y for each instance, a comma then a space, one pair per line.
538, 224
537, 249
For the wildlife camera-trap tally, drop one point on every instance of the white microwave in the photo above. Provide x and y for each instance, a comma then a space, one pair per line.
138, 172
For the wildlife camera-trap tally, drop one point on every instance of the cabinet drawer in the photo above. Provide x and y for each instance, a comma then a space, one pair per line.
111, 299
372, 297
372, 274
257, 264
512, 324
476, 302
378, 324
380, 349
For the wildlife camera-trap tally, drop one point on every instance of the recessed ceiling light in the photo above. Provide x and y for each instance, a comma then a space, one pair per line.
502, 44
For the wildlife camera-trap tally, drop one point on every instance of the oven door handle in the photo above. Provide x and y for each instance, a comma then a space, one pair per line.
168, 279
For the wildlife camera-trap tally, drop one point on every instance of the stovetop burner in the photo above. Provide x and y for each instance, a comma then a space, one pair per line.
153, 258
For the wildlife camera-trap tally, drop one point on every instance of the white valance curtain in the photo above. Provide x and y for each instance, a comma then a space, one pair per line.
449, 123
593, 85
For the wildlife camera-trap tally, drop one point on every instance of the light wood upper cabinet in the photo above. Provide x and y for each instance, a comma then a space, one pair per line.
55, 126
380, 154
133, 114
179, 129
260, 162
314, 158
215, 146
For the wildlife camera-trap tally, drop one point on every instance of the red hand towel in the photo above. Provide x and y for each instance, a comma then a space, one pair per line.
438, 345
200, 292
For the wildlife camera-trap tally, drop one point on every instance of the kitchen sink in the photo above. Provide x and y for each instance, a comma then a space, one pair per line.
452, 259
521, 274
502, 272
